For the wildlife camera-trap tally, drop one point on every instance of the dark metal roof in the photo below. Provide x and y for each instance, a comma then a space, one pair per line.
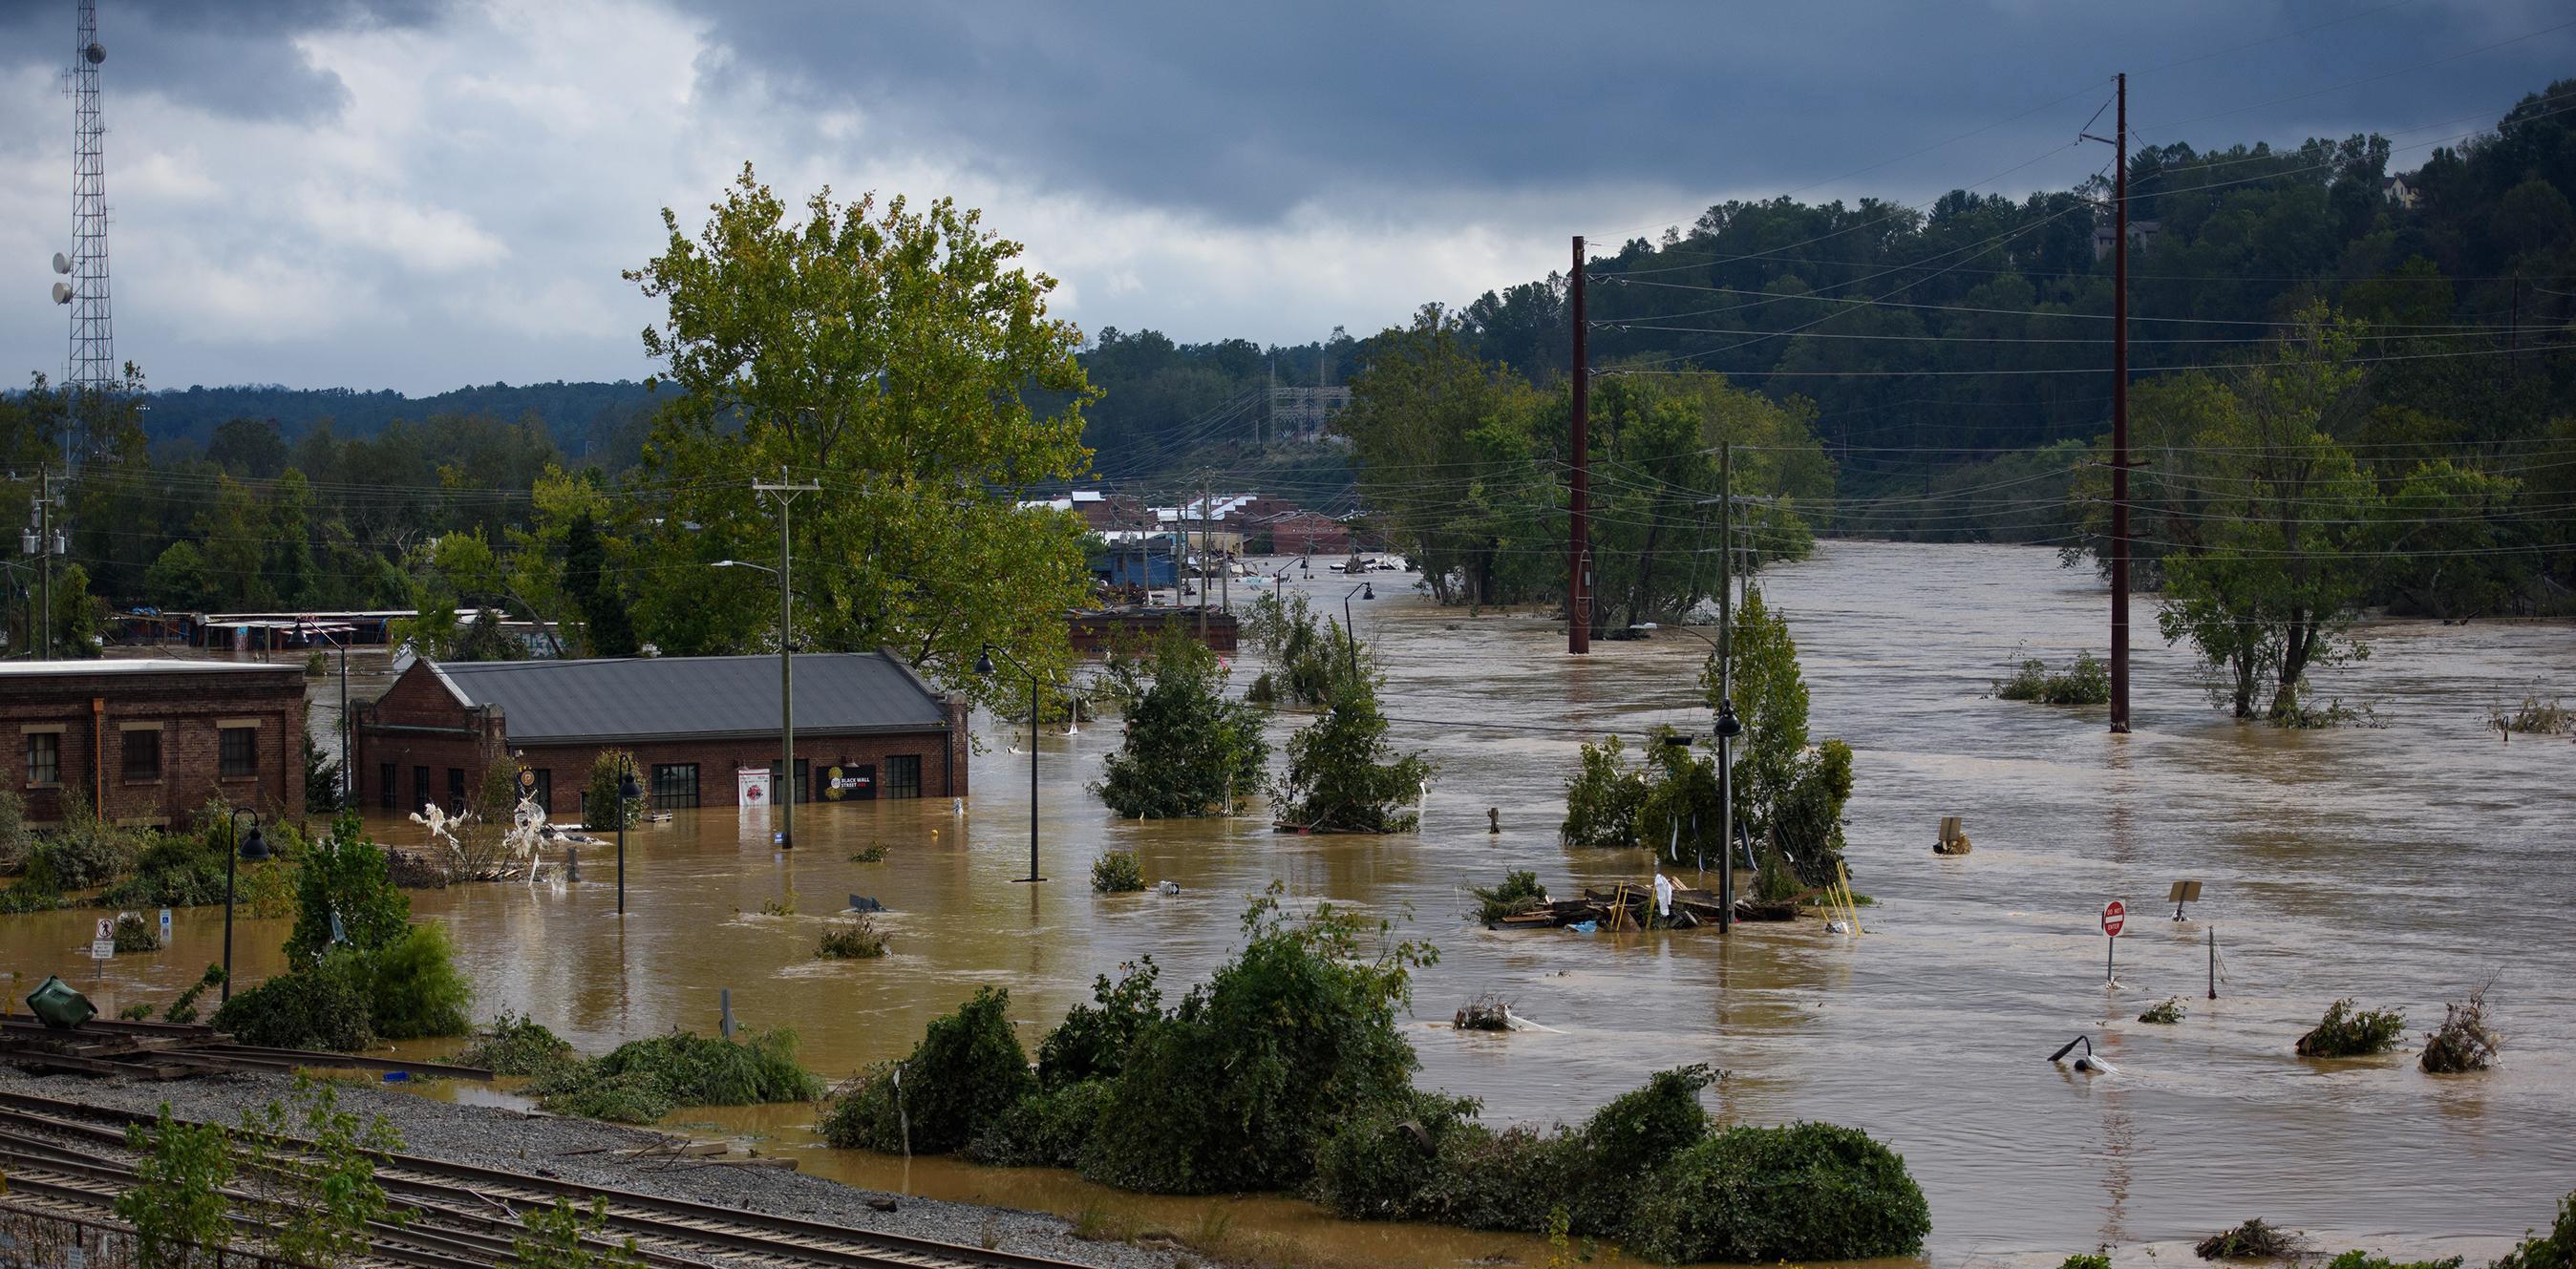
635, 698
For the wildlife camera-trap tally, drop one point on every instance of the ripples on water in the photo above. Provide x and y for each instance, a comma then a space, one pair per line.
2402, 865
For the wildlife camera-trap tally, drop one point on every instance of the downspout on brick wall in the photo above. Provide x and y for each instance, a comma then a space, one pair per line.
98, 756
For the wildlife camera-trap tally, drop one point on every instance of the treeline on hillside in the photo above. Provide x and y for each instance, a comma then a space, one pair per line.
602, 423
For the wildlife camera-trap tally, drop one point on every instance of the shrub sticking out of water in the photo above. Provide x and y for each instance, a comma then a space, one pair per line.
966, 1072
1093, 1040
1046, 1129
2085, 1260
1488, 1012
2359, 1259
518, 1045
2253, 1240
874, 854
855, 939
1803, 1192
134, 934
1519, 893
2086, 682
2464, 1042
644, 1080
783, 905
2347, 1031
2553, 1250
1117, 872
2166, 1012
2536, 719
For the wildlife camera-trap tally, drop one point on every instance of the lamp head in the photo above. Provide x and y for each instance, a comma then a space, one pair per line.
984, 664
626, 787
1728, 725
256, 847
1368, 590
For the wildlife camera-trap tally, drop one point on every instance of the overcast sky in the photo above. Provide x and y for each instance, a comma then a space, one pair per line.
421, 194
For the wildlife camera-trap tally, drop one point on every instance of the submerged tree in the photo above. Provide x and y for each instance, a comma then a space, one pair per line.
1190, 749
1788, 799
1343, 776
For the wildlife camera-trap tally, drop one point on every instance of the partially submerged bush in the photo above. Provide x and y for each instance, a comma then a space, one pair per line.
644, 1080
518, 1045
2253, 1240
1092, 1041
1519, 893
2085, 1260
854, 939
1343, 776
874, 854
967, 1070
2534, 718
1488, 1012
1804, 1192
2359, 1259
2087, 681
174, 871
1117, 872
2464, 1042
134, 934
1380, 1164
414, 989
2347, 1031
1046, 1129
321, 1006
1190, 749
1602, 797
2553, 1250
1235, 1090
2166, 1012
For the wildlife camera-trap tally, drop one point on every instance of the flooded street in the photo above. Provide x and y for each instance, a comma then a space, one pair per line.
2403, 865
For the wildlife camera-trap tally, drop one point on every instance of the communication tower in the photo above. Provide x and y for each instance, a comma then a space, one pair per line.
91, 373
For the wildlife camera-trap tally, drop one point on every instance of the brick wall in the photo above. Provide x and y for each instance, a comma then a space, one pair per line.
96, 716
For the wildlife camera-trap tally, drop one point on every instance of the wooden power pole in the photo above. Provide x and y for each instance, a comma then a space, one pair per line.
1578, 582
2119, 142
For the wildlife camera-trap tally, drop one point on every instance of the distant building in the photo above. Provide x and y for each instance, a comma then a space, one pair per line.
150, 742
2397, 191
1304, 413
2142, 235
1308, 533
871, 726
1096, 632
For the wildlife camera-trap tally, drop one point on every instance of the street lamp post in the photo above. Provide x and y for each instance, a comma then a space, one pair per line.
1728, 728
626, 795
255, 849
1350, 631
785, 803
984, 667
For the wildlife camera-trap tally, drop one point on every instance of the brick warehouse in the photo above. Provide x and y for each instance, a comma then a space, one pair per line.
149, 742
873, 726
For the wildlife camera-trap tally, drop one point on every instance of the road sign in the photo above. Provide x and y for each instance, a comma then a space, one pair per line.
2114, 915
165, 925
103, 946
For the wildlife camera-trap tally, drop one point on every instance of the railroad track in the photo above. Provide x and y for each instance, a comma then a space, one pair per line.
469, 1210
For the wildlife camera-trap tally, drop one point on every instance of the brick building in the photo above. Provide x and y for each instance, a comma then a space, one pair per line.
149, 742
872, 725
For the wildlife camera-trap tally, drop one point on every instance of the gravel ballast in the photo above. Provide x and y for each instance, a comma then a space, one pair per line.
588, 1153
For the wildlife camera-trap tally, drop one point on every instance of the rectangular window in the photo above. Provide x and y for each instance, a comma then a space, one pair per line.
544, 792
456, 790
142, 755
44, 757
675, 785
420, 787
385, 786
804, 786
239, 752
902, 776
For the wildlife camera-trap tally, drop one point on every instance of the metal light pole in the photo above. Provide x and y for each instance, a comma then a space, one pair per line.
1350, 631
626, 795
1728, 728
984, 667
786, 494
255, 849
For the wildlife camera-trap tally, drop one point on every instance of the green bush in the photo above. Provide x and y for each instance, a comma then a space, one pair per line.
2553, 1250
1117, 872
1342, 774
14, 842
1517, 1179
854, 939
1189, 748
518, 1045
346, 874
599, 808
1380, 1163
414, 988
643, 1080
175, 870
1092, 1041
1602, 798
560, 1237
1046, 1129
2253, 1240
1805, 1192
1519, 893
320, 1006
2086, 682
2346, 1031
2359, 1259
177, 1204
183, 1009
134, 934
967, 1070
2083, 1260
1236, 1089
2164, 1012
83, 851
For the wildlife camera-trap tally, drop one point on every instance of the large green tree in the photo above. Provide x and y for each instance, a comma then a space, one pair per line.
889, 355
1189, 749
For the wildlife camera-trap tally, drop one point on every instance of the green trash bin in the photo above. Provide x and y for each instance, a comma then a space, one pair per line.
58, 1005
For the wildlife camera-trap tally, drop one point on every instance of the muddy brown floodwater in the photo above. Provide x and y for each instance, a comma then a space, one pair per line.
2401, 865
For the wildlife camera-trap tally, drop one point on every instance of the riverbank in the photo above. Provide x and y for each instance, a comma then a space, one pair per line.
585, 1152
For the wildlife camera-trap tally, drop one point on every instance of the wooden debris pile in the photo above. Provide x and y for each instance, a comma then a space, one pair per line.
1630, 905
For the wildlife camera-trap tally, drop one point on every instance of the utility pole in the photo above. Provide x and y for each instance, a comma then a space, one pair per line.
2119, 142
1725, 684
785, 493
44, 540
1578, 598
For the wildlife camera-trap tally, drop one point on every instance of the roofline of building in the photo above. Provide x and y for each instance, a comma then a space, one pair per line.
913, 676
153, 665
764, 733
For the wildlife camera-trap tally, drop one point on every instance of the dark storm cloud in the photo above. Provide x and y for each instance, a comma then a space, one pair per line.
233, 58
1243, 111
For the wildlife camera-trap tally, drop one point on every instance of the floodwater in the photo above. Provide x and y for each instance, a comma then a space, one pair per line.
2402, 865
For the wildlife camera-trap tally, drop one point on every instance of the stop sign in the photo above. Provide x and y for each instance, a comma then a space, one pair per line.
2114, 915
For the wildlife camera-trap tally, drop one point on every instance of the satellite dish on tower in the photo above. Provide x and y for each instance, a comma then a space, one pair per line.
62, 293
62, 263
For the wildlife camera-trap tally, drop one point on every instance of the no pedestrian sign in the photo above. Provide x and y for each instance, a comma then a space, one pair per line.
2114, 915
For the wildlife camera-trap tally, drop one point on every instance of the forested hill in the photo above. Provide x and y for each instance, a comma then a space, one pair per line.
600, 420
